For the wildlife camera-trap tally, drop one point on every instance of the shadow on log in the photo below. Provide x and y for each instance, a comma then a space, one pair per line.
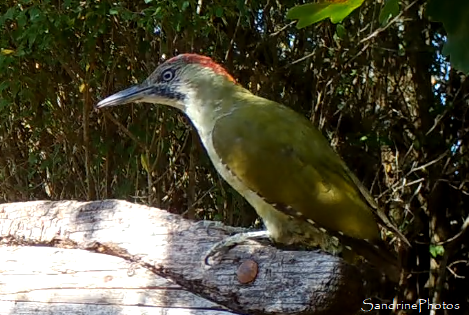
115, 257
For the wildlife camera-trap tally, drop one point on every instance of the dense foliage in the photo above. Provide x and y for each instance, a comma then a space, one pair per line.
384, 96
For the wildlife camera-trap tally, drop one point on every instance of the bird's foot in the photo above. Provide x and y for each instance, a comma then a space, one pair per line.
224, 246
217, 225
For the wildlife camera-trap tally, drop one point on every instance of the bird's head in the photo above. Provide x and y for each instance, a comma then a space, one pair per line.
175, 82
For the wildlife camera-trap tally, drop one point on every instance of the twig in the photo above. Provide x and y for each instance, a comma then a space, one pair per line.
282, 29
230, 46
454, 273
379, 30
464, 228
426, 164
301, 59
404, 184
125, 130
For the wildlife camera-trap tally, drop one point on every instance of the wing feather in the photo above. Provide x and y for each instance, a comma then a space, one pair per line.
285, 160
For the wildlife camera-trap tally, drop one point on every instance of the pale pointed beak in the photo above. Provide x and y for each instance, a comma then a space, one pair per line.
133, 94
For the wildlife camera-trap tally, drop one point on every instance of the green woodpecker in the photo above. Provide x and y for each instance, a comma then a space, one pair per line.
273, 157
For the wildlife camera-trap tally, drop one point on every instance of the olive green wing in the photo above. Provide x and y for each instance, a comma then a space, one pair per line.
381, 216
279, 155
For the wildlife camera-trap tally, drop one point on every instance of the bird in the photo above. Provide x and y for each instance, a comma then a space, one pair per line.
275, 158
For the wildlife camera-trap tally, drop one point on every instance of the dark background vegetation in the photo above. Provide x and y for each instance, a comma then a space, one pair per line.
390, 105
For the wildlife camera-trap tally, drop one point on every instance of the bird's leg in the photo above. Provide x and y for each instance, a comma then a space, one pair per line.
224, 246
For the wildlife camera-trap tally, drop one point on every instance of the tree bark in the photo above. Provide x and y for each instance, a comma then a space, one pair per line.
115, 257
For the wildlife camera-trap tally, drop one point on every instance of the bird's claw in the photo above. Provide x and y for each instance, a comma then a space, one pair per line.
217, 225
222, 247
219, 249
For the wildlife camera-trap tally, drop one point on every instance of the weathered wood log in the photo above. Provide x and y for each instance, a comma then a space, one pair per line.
115, 257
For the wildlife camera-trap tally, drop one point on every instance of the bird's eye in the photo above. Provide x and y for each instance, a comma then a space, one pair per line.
167, 75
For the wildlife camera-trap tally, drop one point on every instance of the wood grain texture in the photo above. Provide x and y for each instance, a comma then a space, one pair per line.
115, 257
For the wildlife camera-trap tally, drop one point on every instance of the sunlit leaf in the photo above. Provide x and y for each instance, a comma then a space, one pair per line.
311, 13
144, 162
7, 51
437, 250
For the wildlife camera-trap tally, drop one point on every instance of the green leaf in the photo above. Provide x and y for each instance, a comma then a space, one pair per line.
32, 159
219, 12
3, 103
113, 12
340, 30
21, 19
437, 250
34, 13
8, 15
185, 5
390, 10
311, 13
143, 160
455, 18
